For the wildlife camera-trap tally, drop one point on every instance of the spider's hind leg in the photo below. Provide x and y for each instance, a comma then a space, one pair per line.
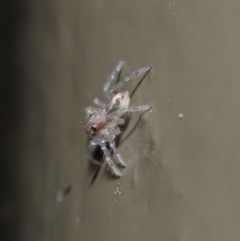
133, 75
140, 108
111, 78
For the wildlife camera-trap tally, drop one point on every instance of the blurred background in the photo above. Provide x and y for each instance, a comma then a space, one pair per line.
182, 180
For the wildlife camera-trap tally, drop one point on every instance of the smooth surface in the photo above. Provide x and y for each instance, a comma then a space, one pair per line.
182, 181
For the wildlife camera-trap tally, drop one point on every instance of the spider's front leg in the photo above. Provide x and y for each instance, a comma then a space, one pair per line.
119, 156
110, 79
114, 148
109, 161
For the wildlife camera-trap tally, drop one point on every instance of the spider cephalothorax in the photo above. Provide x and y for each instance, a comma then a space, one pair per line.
102, 122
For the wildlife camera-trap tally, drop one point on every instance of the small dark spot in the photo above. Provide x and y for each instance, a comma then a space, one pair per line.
63, 193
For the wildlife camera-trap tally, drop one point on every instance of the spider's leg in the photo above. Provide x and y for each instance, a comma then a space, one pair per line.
119, 156
110, 79
135, 74
99, 103
110, 163
119, 121
131, 109
115, 150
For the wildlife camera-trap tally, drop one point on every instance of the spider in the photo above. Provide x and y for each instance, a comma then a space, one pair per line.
102, 122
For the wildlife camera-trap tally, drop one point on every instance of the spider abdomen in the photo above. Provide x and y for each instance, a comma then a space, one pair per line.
120, 101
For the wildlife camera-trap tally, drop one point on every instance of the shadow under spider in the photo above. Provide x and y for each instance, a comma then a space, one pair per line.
97, 155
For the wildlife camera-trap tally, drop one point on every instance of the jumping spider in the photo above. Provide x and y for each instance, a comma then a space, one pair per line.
102, 123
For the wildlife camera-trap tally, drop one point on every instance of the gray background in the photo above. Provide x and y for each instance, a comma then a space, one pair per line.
182, 179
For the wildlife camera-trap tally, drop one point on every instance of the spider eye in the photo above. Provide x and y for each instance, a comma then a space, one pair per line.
93, 128
92, 131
